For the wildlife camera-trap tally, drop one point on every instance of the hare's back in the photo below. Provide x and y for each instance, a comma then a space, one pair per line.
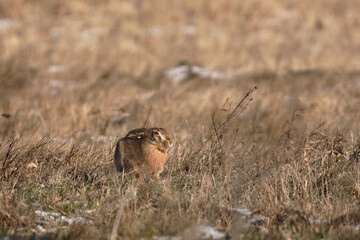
128, 154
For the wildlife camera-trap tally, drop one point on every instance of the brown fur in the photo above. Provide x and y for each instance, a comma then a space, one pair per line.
144, 151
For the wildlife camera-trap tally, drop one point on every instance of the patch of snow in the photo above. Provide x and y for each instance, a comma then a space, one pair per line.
184, 72
21, 229
39, 229
56, 68
51, 218
178, 74
210, 232
196, 232
257, 220
89, 211
189, 30
47, 214
57, 84
243, 211
316, 220
6, 23
202, 232
204, 73
72, 220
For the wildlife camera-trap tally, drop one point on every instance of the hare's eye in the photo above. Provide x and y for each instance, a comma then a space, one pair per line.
157, 133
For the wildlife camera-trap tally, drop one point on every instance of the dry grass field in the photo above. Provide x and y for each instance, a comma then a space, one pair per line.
277, 161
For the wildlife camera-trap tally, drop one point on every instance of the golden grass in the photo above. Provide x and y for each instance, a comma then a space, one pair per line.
77, 75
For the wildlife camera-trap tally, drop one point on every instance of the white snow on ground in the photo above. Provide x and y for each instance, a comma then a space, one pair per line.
6, 23
204, 73
257, 220
189, 30
243, 211
195, 232
202, 232
57, 217
49, 221
210, 232
90, 211
39, 229
184, 72
49, 215
316, 220
178, 74
72, 220
254, 220
56, 68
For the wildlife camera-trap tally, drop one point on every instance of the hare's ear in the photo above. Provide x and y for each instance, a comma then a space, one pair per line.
135, 134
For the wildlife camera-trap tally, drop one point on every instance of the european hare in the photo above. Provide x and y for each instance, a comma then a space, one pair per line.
144, 151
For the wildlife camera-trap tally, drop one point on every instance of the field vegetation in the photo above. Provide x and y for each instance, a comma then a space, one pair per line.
261, 97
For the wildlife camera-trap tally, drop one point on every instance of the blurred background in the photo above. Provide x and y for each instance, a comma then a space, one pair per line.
88, 65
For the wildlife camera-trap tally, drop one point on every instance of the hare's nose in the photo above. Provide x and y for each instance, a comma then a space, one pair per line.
170, 146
